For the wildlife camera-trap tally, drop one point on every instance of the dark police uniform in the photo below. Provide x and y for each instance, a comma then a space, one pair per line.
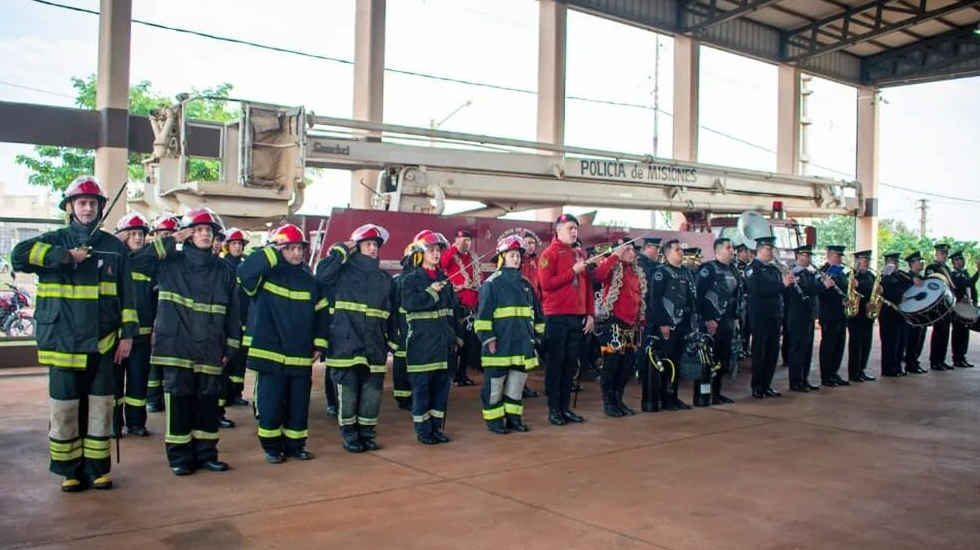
916, 335
860, 328
833, 323
964, 288
719, 290
801, 312
892, 328
940, 329
766, 290
671, 302
743, 312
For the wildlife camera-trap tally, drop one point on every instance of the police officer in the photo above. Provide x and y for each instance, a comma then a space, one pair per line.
84, 300
743, 257
892, 328
860, 328
164, 226
833, 322
649, 258
767, 286
801, 312
670, 305
916, 335
719, 289
940, 329
964, 288
235, 244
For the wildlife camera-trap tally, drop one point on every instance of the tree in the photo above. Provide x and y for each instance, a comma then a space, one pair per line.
55, 167
835, 230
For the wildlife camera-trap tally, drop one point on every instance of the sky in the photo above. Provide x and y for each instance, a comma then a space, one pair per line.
929, 133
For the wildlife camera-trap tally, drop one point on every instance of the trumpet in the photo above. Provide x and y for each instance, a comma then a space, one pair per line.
784, 269
824, 276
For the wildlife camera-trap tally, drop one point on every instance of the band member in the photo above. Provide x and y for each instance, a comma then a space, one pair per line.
197, 328
397, 331
433, 332
463, 270
767, 286
743, 257
964, 288
84, 301
508, 322
235, 244
569, 305
833, 322
892, 328
358, 351
649, 260
719, 290
670, 304
133, 376
860, 328
287, 332
940, 329
164, 226
916, 335
801, 312
620, 314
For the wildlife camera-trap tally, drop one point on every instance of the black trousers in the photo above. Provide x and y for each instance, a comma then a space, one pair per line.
617, 369
914, 344
939, 342
563, 339
671, 352
192, 416
467, 356
833, 335
799, 333
131, 385
81, 417
765, 351
860, 332
402, 387
961, 341
894, 334
283, 405
235, 381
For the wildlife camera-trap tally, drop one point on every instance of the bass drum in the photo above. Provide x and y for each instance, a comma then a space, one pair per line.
966, 313
927, 303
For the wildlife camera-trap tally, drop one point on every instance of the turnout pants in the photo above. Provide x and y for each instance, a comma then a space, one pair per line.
563, 339
81, 417
283, 405
131, 385
154, 386
329, 388
765, 352
832, 338
467, 356
939, 342
860, 331
961, 341
430, 396
235, 381
799, 332
502, 394
894, 334
359, 396
402, 387
914, 345
191, 401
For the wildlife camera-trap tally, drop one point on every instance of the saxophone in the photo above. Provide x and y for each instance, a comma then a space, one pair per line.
876, 300
853, 302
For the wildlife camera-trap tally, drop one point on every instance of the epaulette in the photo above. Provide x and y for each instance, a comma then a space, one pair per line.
492, 276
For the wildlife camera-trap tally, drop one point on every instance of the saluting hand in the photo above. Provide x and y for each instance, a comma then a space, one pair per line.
183, 234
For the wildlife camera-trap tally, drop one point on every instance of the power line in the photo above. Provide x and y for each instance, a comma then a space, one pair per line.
33, 89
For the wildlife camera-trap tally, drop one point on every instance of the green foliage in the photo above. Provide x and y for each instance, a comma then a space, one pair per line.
835, 230
56, 167
895, 236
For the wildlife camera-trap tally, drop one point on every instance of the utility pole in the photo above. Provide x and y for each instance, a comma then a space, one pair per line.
923, 208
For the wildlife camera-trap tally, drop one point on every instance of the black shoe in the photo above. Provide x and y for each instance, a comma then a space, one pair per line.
370, 444
890, 374
238, 402
215, 465
829, 383
799, 388
680, 405
611, 410
353, 446
181, 470
572, 417
301, 454
528, 393
427, 440
517, 424
497, 428
901, 373
139, 431
73, 485
467, 381
274, 458
556, 417
440, 436
224, 422
856, 379
917, 370
719, 399
841, 382
331, 410
626, 410
154, 407
772, 393
811, 387
758, 394
967, 365
867, 377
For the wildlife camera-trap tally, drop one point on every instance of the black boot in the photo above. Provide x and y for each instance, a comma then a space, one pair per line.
352, 442
716, 396
626, 410
498, 426
516, 423
556, 417
609, 405
677, 403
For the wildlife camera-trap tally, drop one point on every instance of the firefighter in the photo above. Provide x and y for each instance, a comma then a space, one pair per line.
197, 328
964, 289
939, 342
463, 269
718, 291
287, 332
132, 378
670, 305
766, 290
360, 307
916, 334
620, 315
164, 226
235, 243
569, 305
397, 331
833, 322
508, 322
892, 328
86, 323
433, 331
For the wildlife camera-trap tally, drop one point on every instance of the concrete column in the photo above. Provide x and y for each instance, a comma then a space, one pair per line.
552, 32
788, 121
867, 170
686, 120
369, 67
112, 99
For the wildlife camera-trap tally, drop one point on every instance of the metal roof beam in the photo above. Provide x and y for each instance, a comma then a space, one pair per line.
924, 60
715, 16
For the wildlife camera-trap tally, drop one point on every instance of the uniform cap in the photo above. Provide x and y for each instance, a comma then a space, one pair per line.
913, 257
863, 254
835, 248
958, 255
463, 232
804, 248
566, 218
764, 241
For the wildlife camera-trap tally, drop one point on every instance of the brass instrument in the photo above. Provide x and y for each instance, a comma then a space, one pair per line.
876, 300
853, 301
824, 276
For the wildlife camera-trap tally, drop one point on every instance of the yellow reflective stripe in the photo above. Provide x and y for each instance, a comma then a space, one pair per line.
341, 250
208, 369
130, 316
509, 361
71, 292
320, 342
246, 340
137, 276
402, 393
269, 433
217, 309
154, 384
133, 402
61, 359
483, 324
248, 292
494, 413
341, 362
437, 314
180, 362
295, 434
96, 448
60, 447
401, 354
38, 251
172, 438
392, 346
512, 311
146, 330
107, 288
160, 249
437, 414
238, 379
321, 304
539, 328
70, 455
106, 343
360, 308
271, 256
425, 367
201, 434
177, 439
288, 360
302, 295
232, 342
421, 417
514, 408
433, 293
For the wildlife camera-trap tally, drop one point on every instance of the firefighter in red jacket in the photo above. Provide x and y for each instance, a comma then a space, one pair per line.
529, 263
463, 270
620, 315
568, 307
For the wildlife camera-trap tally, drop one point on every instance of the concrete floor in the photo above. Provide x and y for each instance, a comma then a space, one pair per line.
890, 464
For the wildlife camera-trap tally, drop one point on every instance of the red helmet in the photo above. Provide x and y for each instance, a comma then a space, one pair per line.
133, 220
432, 238
418, 236
235, 234
369, 231
166, 222
83, 186
288, 234
511, 242
201, 216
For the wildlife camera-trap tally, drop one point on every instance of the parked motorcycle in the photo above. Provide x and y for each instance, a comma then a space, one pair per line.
16, 317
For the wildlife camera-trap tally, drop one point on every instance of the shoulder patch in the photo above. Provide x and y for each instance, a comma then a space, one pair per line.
658, 276
705, 272
543, 262
748, 272
493, 276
